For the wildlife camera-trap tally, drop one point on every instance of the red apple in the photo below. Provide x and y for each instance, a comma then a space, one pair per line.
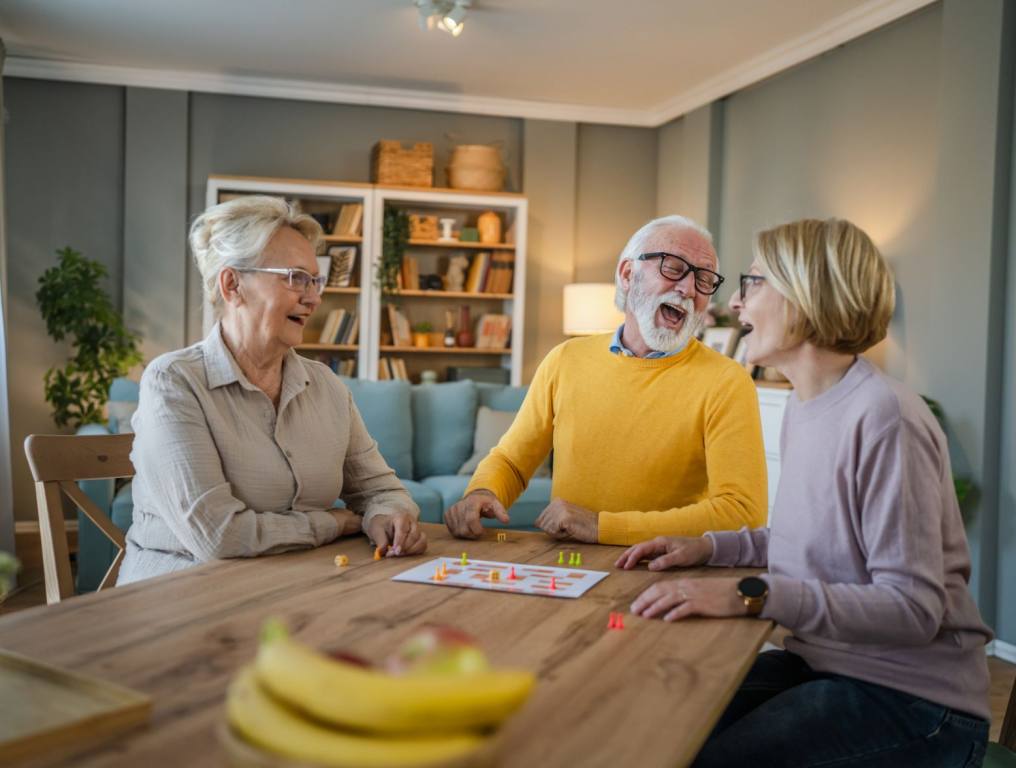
438, 650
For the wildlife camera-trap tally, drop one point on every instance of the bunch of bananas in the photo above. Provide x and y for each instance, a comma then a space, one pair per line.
303, 705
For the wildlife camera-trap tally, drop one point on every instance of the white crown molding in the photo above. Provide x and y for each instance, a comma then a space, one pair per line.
308, 90
865, 18
1002, 650
859, 21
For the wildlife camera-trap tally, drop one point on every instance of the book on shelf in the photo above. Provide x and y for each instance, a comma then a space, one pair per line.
343, 262
499, 276
331, 326
384, 370
349, 220
402, 334
398, 366
342, 366
352, 335
493, 332
477, 272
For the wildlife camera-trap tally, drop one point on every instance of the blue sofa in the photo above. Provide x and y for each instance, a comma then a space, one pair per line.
425, 433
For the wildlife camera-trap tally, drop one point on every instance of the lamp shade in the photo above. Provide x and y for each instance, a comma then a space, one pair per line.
589, 308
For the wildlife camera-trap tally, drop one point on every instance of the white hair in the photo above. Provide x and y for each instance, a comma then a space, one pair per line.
235, 233
638, 243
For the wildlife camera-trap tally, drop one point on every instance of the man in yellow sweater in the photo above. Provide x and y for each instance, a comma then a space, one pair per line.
653, 433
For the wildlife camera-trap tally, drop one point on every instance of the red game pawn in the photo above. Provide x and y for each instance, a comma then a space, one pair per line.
511, 574
611, 624
619, 624
553, 583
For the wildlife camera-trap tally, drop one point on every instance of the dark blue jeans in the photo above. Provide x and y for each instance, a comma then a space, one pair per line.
786, 714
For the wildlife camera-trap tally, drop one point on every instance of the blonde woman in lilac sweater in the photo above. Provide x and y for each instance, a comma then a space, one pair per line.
866, 555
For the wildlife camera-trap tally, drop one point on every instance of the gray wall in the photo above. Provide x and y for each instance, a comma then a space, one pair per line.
6, 492
64, 185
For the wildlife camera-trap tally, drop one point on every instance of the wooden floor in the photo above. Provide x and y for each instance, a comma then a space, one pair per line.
32, 593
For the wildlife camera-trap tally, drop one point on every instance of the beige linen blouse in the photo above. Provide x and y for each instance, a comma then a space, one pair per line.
221, 474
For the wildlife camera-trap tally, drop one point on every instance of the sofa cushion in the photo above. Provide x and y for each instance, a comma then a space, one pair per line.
385, 408
427, 499
523, 512
500, 397
490, 427
444, 416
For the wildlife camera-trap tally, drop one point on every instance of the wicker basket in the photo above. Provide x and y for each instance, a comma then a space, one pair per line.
477, 167
391, 163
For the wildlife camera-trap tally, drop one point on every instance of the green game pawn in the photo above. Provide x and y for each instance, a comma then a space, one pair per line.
578, 558
560, 558
464, 561
571, 558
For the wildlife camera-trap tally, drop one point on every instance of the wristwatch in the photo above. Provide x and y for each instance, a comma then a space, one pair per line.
754, 592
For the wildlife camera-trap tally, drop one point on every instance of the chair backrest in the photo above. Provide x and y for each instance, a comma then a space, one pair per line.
57, 462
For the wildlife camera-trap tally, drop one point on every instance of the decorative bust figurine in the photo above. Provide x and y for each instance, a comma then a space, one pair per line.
455, 278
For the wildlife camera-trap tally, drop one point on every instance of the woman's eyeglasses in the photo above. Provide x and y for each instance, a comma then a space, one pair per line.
749, 280
297, 279
673, 267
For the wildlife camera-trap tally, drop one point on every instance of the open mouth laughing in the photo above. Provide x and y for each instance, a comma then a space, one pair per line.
673, 316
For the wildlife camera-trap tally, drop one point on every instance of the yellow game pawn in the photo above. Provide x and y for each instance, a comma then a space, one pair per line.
464, 560
437, 574
444, 570
494, 576
341, 561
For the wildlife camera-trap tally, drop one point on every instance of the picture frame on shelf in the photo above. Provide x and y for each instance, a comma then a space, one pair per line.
721, 340
741, 355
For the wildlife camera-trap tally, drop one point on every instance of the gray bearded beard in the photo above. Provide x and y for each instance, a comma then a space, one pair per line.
644, 306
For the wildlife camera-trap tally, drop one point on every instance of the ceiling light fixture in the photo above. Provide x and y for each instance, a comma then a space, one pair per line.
447, 15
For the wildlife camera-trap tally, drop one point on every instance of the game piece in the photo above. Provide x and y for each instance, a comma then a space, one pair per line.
611, 623
444, 570
571, 558
511, 574
341, 560
619, 623
553, 583
502, 536
560, 558
377, 553
578, 558
464, 560
437, 574
494, 576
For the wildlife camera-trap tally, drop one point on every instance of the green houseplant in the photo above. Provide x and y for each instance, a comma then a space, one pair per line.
75, 306
395, 236
9, 567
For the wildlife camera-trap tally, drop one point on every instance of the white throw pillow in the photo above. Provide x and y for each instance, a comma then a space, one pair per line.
490, 427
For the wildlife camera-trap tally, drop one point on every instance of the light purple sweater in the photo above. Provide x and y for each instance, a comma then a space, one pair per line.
867, 555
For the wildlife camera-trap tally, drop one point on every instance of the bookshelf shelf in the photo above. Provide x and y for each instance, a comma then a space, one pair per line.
347, 291
444, 350
454, 295
469, 245
313, 347
351, 239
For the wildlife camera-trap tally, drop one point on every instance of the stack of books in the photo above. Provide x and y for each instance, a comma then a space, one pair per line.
490, 273
343, 366
398, 323
392, 369
341, 327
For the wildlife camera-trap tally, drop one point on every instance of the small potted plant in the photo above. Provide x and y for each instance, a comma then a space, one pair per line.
421, 334
9, 567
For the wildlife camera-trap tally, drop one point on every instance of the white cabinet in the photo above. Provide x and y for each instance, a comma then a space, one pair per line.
772, 402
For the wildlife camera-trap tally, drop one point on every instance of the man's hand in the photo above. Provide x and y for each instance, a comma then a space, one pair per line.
563, 520
463, 518
668, 552
397, 534
681, 598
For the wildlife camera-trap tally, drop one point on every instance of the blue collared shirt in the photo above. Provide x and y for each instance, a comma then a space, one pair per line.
618, 348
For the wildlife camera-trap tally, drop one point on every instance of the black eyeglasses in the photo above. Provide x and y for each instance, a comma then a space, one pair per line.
673, 267
747, 280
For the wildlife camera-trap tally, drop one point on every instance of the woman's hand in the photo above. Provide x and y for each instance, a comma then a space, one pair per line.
349, 522
668, 552
681, 598
397, 534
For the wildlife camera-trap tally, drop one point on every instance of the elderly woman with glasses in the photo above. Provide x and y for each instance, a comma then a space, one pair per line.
866, 557
241, 446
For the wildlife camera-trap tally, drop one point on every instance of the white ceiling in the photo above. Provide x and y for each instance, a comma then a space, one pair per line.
636, 62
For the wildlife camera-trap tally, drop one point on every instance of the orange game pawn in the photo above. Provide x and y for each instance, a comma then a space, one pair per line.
377, 553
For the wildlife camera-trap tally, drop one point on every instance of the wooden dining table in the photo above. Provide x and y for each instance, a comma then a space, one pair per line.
646, 695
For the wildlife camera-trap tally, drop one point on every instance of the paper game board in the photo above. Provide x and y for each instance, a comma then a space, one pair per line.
529, 579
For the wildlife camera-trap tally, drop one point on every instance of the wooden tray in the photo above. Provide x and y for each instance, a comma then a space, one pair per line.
47, 710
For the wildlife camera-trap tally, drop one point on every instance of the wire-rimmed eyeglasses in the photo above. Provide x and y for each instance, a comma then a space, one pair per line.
297, 279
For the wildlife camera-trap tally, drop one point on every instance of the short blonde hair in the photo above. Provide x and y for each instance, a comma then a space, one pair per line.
235, 233
839, 289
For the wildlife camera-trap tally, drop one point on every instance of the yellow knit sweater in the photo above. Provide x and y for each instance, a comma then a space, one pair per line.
667, 446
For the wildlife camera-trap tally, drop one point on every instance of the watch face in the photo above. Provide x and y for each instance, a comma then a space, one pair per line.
752, 587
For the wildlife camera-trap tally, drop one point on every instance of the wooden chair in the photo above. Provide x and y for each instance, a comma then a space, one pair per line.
1003, 753
57, 462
